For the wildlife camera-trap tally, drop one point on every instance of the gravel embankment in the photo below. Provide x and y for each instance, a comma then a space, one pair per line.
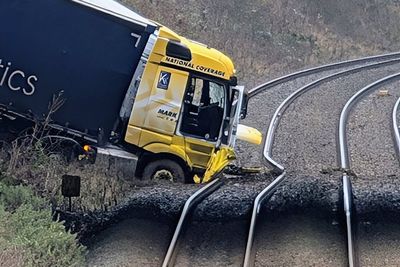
233, 201
133, 242
213, 244
215, 240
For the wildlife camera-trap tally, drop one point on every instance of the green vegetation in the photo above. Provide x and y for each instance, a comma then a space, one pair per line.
31, 168
28, 234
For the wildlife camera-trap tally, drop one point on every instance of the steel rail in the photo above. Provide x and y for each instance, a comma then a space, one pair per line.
396, 133
348, 210
268, 191
344, 158
260, 88
190, 204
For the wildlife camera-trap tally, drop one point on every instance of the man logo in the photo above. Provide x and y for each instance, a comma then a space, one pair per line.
163, 81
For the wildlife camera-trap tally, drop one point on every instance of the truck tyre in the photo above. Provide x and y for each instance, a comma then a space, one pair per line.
164, 169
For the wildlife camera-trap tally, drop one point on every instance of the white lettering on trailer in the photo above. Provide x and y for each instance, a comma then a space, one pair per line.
11, 77
14, 77
138, 38
30, 83
5, 72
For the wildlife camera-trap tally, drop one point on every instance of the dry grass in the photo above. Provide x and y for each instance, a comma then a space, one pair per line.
102, 185
9, 257
36, 160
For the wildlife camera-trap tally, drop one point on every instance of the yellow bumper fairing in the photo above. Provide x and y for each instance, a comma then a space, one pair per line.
249, 134
218, 161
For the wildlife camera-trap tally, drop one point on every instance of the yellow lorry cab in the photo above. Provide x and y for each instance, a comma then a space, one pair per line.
192, 109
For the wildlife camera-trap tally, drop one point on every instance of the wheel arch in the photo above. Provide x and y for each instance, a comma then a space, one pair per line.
157, 151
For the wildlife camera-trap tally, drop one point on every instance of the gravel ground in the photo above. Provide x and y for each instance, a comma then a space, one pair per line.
300, 240
133, 242
213, 244
378, 244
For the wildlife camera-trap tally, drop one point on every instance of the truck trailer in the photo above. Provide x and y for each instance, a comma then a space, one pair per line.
130, 86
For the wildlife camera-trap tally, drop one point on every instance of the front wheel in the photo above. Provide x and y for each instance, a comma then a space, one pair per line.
164, 169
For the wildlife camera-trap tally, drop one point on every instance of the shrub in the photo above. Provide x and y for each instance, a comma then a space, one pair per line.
12, 197
26, 226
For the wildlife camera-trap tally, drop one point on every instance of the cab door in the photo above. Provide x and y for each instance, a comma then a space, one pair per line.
164, 103
157, 106
201, 119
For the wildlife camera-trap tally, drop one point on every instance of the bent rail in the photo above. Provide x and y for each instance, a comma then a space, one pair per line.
190, 204
344, 158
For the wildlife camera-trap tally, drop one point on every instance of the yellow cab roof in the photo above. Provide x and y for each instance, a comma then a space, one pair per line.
204, 59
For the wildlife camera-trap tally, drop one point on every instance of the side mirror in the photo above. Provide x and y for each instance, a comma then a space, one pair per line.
243, 112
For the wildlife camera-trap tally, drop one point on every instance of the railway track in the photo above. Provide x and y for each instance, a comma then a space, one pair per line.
287, 238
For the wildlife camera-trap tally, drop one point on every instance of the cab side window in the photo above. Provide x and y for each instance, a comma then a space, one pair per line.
217, 94
203, 109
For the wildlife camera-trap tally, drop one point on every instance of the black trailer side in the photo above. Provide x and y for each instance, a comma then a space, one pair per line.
81, 48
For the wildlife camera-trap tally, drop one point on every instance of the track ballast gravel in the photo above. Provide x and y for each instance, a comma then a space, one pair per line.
300, 240
370, 135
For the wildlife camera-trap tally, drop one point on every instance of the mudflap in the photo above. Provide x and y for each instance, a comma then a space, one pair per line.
218, 161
